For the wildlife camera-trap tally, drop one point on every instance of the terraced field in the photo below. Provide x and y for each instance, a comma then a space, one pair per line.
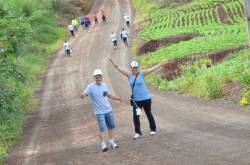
221, 25
197, 16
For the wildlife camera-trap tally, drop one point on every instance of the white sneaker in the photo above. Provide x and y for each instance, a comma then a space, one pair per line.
104, 147
113, 144
152, 133
137, 136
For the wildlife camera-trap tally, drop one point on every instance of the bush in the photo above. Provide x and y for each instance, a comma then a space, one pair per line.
11, 104
185, 84
245, 78
214, 87
246, 98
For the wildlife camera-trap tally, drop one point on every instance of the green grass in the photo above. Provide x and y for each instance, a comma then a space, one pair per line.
215, 34
195, 46
13, 116
209, 82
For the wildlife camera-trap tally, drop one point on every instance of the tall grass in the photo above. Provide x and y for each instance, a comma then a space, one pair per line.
209, 82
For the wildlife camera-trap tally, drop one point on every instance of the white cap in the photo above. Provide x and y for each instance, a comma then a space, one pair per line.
134, 64
97, 72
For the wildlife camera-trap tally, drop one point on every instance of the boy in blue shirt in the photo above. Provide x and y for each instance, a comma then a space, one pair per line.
99, 94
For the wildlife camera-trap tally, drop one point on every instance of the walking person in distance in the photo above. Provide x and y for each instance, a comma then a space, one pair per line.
95, 19
66, 48
87, 24
127, 20
113, 37
71, 30
82, 21
103, 17
75, 23
124, 35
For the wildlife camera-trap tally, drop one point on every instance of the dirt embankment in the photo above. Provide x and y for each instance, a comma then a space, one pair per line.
153, 45
171, 70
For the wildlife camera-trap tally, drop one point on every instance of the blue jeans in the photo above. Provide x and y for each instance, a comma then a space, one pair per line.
105, 121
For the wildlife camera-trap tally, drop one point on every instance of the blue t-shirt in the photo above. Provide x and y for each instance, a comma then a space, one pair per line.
99, 97
140, 91
82, 20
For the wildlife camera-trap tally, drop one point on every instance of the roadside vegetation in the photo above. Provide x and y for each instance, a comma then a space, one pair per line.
220, 25
31, 31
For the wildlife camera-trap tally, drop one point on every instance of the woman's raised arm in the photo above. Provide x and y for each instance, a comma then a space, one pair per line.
123, 71
146, 72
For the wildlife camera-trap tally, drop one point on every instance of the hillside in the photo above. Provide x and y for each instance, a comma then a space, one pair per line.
63, 129
205, 42
31, 32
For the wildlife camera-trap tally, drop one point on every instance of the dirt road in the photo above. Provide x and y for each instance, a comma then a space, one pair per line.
62, 131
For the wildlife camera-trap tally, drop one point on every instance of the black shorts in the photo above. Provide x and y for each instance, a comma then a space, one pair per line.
124, 39
104, 18
67, 51
115, 43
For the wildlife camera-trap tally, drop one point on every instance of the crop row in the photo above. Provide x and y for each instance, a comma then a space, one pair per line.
179, 18
203, 44
176, 21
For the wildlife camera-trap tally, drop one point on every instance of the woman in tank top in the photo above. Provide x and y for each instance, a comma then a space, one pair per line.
140, 93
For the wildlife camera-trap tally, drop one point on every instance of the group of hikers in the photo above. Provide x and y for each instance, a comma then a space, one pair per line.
123, 33
85, 22
99, 91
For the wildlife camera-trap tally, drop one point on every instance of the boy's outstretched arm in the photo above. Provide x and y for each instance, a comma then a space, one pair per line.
115, 98
82, 95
